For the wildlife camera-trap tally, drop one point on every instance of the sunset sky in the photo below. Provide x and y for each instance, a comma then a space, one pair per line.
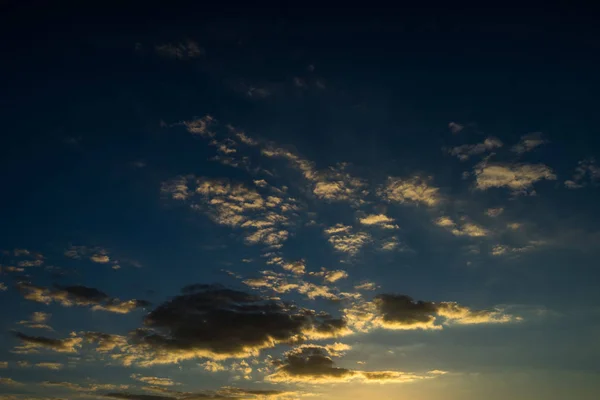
258, 203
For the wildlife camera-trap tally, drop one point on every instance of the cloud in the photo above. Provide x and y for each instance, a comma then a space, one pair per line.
181, 51
465, 151
50, 365
263, 218
519, 178
344, 240
9, 382
38, 321
366, 286
415, 190
100, 258
211, 321
3, 287
586, 173
334, 275
79, 296
3, 364
313, 364
279, 283
213, 366
91, 388
528, 142
402, 312
494, 212
153, 380
225, 393
464, 229
201, 126
380, 220
455, 127
31, 344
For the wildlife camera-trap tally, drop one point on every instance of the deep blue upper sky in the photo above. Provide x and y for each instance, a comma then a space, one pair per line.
334, 160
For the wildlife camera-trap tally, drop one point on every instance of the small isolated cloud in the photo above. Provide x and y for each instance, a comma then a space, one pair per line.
32, 344
519, 178
50, 365
465, 151
313, 364
3, 287
463, 229
380, 220
201, 126
3, 364
213, 366
78, 295
334, 275
181, 51
100, 258
455, 127
494, 212
366, 286
416, 190
344, 240
38, 320
402, 312
153, 380
295, 267
528, 142
586, 173
211, 321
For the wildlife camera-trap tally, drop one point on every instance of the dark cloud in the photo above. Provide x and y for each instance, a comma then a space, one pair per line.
32, 343
313, 364
404, 310
216, 322
79, 296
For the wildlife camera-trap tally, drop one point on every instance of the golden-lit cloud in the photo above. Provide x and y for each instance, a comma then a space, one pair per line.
32, 344
9, 382
38, 320
344, 240
519, 178
380, 220
153, 380
49, 365
413, 190
465, 228
78, 295
314, 365
401, 312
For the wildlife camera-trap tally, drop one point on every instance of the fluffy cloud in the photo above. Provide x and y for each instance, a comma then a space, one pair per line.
79, 296
528, 142
31, 344
313, 364
263, 217
344, 240
380, 220
210, 321
402, 312
467, 150
587, 172
519, 178
415, 190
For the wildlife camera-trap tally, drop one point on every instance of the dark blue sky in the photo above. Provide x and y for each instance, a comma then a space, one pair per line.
309, 168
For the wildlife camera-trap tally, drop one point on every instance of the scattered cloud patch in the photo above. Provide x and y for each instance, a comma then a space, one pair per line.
344, 240
519, 178
465, 151
414, 190
529, 142
494, 212
380, 220
586, 173
181, 51
32, 344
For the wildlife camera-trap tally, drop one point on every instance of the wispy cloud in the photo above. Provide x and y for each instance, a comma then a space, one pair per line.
586, 173
465, 151
529, 142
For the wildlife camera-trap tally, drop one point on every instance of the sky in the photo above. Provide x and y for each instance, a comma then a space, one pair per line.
202, 202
